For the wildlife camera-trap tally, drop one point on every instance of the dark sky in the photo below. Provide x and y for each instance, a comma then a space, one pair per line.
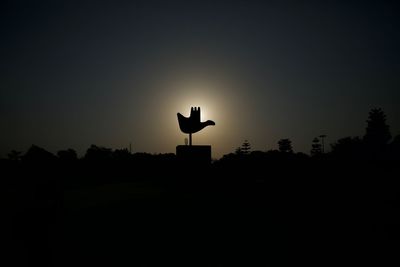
110, 73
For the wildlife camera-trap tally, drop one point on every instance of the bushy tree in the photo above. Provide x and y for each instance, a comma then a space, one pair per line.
95, 153
14, 155
38, 154
238, 151
67, 155
122, 154
348, 148
394, 150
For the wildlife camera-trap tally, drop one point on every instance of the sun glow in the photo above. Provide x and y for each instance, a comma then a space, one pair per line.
217, 102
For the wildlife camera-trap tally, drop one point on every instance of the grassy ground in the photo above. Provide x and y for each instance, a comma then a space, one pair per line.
145, 225
274, 222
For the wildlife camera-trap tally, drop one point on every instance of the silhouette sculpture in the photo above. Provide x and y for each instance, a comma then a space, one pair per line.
192, 124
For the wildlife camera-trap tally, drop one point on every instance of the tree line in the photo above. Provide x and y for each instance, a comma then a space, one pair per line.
376, 144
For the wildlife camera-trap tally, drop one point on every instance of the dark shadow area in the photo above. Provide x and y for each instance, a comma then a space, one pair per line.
249, 208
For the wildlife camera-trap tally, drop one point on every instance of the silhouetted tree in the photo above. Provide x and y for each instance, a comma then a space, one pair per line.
285, 145
396, 140
95, 153
238, 151
394, 149
246, 147
38, 154
122, 154
14, 155
377, 131
377, 134
348, 148
301, 156
67, 155
316, 147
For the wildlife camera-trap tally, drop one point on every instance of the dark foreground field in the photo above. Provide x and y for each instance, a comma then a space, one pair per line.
216, 217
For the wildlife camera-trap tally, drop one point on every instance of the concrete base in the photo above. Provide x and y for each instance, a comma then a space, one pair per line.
194, 154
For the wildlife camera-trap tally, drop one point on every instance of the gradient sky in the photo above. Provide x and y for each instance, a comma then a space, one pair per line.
109, 73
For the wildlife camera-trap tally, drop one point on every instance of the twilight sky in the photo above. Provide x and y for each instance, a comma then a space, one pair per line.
109, 73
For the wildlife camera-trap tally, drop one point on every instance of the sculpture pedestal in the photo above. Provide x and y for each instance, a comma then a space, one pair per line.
194, 154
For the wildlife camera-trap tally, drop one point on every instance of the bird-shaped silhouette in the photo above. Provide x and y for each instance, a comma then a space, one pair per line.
192, 124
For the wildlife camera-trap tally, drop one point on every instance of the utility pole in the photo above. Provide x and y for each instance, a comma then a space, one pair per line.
322, 136
130, 148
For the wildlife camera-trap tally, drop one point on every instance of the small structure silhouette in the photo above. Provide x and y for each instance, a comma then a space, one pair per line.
190, 125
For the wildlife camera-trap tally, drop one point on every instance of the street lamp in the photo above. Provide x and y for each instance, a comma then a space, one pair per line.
322, 136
